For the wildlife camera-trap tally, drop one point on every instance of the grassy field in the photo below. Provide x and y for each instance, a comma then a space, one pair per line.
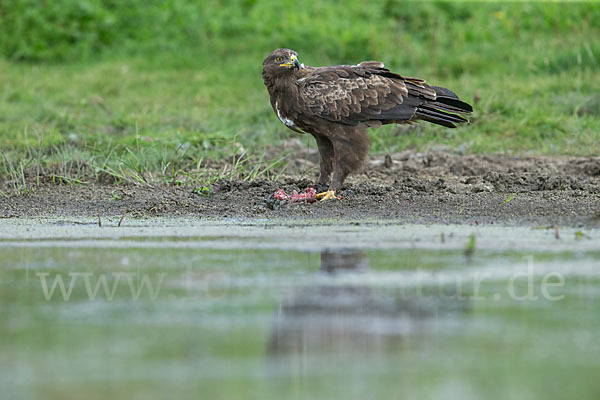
161, 92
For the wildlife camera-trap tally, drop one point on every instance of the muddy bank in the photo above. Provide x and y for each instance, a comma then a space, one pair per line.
436, 187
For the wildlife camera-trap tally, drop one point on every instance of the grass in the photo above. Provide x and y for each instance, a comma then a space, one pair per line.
162, 109
145, 165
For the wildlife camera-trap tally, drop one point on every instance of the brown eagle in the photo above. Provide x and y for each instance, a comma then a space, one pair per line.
336, 104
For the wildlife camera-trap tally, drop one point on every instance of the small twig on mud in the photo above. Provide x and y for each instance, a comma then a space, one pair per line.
462, 209
122, 216
99, 221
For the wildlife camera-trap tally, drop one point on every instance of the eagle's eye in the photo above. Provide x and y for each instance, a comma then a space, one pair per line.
279, 59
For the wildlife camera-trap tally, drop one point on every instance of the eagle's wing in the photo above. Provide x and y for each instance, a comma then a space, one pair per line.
367, 93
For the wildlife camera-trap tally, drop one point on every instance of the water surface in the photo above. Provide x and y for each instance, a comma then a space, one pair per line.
302, 309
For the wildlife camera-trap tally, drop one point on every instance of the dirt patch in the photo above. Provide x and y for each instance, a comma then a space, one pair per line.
435, 187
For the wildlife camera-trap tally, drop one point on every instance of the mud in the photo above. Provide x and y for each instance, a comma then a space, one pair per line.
434, 187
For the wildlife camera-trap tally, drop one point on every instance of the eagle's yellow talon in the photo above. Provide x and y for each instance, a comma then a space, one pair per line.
328, 195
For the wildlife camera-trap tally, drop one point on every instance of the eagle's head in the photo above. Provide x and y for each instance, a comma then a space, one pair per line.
281, 62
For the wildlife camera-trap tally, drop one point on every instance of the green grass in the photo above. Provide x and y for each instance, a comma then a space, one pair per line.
172, 91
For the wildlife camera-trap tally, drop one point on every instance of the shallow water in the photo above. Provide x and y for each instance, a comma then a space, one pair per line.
297, 309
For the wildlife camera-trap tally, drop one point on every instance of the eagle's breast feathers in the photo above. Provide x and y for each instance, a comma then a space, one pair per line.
286, 121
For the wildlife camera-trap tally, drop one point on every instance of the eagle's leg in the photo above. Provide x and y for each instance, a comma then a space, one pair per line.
326, 155
350, 152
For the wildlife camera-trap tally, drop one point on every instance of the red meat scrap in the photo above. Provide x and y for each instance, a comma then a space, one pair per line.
309, 195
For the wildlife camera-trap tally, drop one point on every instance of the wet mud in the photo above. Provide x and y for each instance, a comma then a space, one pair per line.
434, 187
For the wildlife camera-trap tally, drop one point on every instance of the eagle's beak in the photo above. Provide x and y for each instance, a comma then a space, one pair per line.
294, 63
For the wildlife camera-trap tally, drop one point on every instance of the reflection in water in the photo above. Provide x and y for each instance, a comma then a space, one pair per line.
344, 312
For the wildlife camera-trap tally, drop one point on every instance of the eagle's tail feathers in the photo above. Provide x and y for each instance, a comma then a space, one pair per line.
446, 107
446, 110
439, 117
460, 105
449, 98
437, 121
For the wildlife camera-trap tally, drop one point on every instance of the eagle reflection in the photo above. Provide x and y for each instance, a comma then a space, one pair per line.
347, 311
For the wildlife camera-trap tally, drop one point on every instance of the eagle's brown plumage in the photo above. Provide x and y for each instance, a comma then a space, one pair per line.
337, 103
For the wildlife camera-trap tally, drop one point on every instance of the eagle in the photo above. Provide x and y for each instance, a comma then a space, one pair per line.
336, 104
